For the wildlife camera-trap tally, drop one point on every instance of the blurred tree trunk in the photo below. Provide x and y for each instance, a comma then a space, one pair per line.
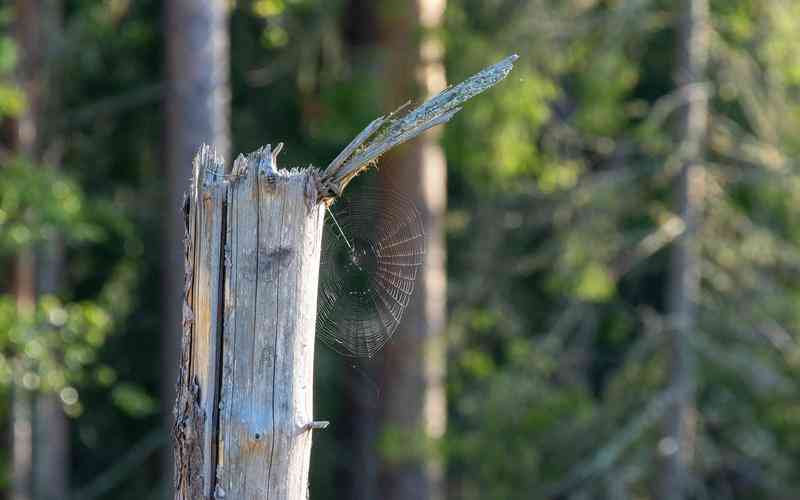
359, 475
414, 409
197, 111
677, 444
40, 429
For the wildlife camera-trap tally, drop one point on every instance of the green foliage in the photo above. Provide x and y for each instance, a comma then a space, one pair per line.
404, 447
52, 347
92, 343
518, 417
134, 400
37, 204
607, 81
504, 126
581, 271
12, 99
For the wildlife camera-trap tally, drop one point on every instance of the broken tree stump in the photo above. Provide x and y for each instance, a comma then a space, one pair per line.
244, 406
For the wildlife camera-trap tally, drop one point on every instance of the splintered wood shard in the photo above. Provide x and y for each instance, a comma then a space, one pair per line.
195, 410
385, 133
354, 144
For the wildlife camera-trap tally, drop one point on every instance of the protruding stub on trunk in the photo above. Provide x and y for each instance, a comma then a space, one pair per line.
317, 425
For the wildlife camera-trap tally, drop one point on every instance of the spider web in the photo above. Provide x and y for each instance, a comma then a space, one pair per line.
371, 253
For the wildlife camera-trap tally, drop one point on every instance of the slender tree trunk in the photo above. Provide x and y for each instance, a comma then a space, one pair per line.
21, 406
358, 476
50, 424
40, 446
414, 407
51, 449
22, 445
677, 444
197, 111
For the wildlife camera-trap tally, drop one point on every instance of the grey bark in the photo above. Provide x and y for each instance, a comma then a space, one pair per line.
51, 449
677, 444
197, 112
22, 445
244, 407
413, 404
40, 429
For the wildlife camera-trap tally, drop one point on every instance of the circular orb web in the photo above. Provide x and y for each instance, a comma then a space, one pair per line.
367, 270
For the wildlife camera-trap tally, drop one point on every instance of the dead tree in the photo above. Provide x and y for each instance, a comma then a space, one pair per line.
244, 412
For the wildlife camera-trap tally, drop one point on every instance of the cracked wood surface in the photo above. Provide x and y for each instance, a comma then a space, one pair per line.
195, 409
272, 261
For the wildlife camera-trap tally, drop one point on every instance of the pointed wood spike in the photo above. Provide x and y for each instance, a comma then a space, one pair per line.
385, 133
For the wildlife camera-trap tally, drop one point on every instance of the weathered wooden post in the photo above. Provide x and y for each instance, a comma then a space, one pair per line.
244, 412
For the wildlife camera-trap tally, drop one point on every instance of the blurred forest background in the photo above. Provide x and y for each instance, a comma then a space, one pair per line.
609, 307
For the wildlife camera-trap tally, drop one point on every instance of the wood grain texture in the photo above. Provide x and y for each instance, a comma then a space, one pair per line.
198, 388
272, 269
